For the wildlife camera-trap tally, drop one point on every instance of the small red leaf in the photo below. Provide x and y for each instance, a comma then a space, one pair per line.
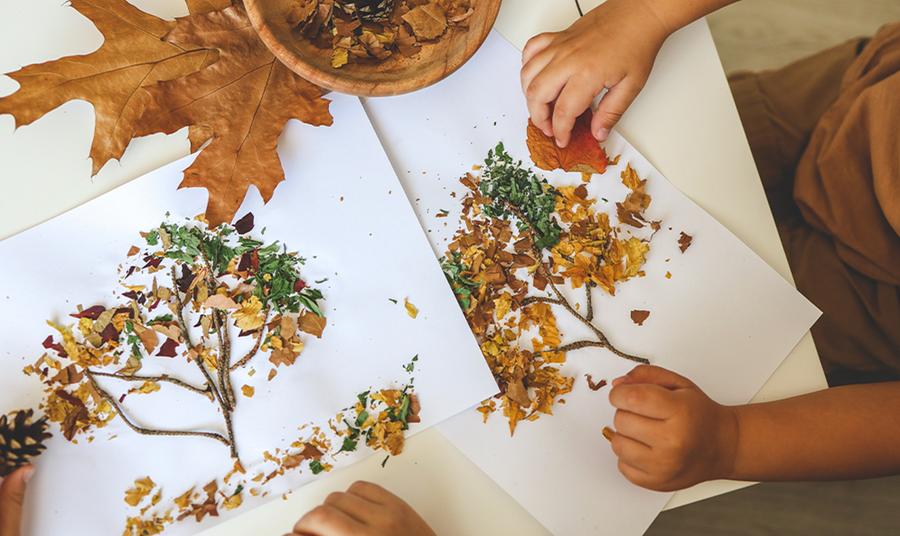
245, 224
91, 312
167, 349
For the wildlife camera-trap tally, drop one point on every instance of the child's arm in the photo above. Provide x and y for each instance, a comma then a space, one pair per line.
613, 46
366, 509
670, 435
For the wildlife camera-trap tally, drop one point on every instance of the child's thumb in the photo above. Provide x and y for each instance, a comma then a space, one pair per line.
654, 375
12, 496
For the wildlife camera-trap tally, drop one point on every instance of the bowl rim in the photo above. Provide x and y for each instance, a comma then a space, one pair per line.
337, 81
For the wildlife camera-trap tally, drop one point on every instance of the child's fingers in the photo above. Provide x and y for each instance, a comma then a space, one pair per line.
612, 106
354, 506
541, 89
536, 44
327, 520
635, 475
12, 497
574, 99
371, 492
630, 451
646, 430
644, 399
654, 375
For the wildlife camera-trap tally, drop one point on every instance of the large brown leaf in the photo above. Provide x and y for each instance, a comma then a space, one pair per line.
244, 100
132, 57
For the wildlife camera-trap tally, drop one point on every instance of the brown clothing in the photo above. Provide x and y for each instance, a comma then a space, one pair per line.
825, 134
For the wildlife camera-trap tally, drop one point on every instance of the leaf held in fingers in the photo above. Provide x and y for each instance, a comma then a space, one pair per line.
583, 154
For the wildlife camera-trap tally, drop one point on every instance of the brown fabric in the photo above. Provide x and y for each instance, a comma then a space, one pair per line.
781, 108
848, 181
809, 126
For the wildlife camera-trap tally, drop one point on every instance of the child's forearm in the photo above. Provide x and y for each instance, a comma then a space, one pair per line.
676, 14
840, 433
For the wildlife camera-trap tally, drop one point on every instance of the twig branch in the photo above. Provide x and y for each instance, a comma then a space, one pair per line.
590, 299
534, 299
210, 382
222, 363
133, 378
584, 344
148, 431
252, 353
179, 306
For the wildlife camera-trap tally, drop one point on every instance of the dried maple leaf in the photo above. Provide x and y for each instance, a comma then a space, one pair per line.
246, 98
206, 6
133, 56
583, 154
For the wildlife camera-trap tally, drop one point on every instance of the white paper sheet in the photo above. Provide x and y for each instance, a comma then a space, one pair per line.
724, 319
342, 209
52, 152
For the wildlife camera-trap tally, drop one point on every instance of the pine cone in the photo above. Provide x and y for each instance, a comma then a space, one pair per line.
20, 440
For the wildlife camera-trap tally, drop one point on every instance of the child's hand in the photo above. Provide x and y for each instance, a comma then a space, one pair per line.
669, 434
613, 46
364, 510
12, 493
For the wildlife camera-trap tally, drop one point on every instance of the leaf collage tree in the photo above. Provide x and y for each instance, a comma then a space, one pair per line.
557, 239
196, 290
208, 71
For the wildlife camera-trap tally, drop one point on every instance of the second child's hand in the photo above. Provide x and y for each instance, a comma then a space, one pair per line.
612, 47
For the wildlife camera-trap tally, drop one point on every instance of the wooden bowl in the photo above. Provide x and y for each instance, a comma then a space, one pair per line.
370, 78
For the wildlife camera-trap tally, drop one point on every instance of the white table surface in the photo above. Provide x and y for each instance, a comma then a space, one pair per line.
684, 122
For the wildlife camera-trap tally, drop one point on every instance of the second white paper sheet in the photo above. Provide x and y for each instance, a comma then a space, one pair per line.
718, 314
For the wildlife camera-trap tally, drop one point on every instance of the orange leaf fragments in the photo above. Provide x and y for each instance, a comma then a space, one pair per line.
246, 98
133, 56
583, 154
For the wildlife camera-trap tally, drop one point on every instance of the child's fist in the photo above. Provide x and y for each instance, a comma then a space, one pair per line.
669, 434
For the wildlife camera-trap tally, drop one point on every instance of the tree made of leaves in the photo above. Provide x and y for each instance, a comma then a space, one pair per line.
190, 291
517, 224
